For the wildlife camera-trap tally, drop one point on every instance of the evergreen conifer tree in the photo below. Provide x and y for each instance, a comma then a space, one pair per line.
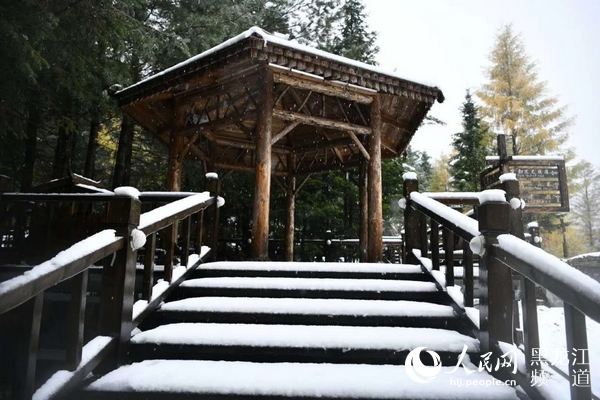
469, 159
355, 41
516, 101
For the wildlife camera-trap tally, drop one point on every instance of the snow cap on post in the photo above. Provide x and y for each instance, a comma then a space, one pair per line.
128, 191
409, 176
212, 183
494, 212
509, 176
492, 195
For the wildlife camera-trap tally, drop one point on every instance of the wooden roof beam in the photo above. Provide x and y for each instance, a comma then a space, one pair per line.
323, 87
403, 126
321, 122
238, 144
324, 146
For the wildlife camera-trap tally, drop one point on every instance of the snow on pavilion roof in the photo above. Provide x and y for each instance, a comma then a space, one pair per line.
213, 97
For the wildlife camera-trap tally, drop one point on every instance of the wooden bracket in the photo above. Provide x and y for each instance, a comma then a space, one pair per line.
284, 131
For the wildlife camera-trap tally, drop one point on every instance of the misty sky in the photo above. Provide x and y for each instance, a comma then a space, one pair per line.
447, 43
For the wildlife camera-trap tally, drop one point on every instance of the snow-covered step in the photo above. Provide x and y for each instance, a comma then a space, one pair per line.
177, 379
310, 270
311, 288
271, 343
300, 311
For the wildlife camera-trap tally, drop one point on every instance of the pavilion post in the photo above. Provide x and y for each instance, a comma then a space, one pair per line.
290, 208
363, 194
262, 186
375, 245
175, 173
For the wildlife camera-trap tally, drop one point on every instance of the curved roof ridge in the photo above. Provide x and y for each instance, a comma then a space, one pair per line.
281, 41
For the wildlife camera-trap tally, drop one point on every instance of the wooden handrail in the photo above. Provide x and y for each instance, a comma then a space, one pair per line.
568, 289
18, 290
465, 228
93, 197
503, 249
116, 248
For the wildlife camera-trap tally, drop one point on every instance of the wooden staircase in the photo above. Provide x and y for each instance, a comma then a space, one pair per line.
299, 330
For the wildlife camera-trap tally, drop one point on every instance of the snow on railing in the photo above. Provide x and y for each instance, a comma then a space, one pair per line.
573, 283
448, 214
63, 266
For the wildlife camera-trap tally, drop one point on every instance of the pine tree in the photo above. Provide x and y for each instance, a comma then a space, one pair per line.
586, 206
516, 101
469, 160
355, 41
440, 177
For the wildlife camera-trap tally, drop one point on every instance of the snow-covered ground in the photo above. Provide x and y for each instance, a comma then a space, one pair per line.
553, 344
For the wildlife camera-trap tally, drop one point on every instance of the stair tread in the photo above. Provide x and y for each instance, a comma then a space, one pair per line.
300, 306
306, 380
310, 284
314, 267
308, 336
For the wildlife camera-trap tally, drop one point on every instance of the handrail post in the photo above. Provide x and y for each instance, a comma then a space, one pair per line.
118, 278
577, 348
494, 278
534, 230
211, 219
27, 331
525, 287
412, 220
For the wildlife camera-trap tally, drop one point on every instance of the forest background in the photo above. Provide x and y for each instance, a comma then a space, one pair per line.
61, 58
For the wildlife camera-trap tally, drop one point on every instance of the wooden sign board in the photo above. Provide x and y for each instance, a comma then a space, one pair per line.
542, 181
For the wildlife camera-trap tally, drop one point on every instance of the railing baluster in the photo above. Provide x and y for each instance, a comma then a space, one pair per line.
530, 323
185, 241
468, 279
577, 347
27, 335
199, 226
170, 237
435, 244
76, 319
148, 279
423, 233
448, 239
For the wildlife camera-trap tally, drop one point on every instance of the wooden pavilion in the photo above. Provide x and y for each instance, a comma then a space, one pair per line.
261, 103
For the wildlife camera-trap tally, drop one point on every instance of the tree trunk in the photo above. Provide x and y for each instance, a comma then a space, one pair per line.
61, 153
122, 173
31, 129
90, 159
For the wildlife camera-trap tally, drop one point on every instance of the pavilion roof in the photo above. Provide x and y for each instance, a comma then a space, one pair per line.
323, 85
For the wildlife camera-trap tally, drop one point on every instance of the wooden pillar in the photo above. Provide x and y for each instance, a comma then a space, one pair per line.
412, 221
211, 218
525, 289
28, 328
363, 194
495, 281
175, 172
375, 245
290, 208
118, 279
262, 186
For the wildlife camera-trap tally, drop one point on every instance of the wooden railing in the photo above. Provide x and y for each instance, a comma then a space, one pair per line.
115, 247
328, 248
508, 265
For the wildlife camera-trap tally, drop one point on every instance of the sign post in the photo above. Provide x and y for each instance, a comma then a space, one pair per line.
542, 179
